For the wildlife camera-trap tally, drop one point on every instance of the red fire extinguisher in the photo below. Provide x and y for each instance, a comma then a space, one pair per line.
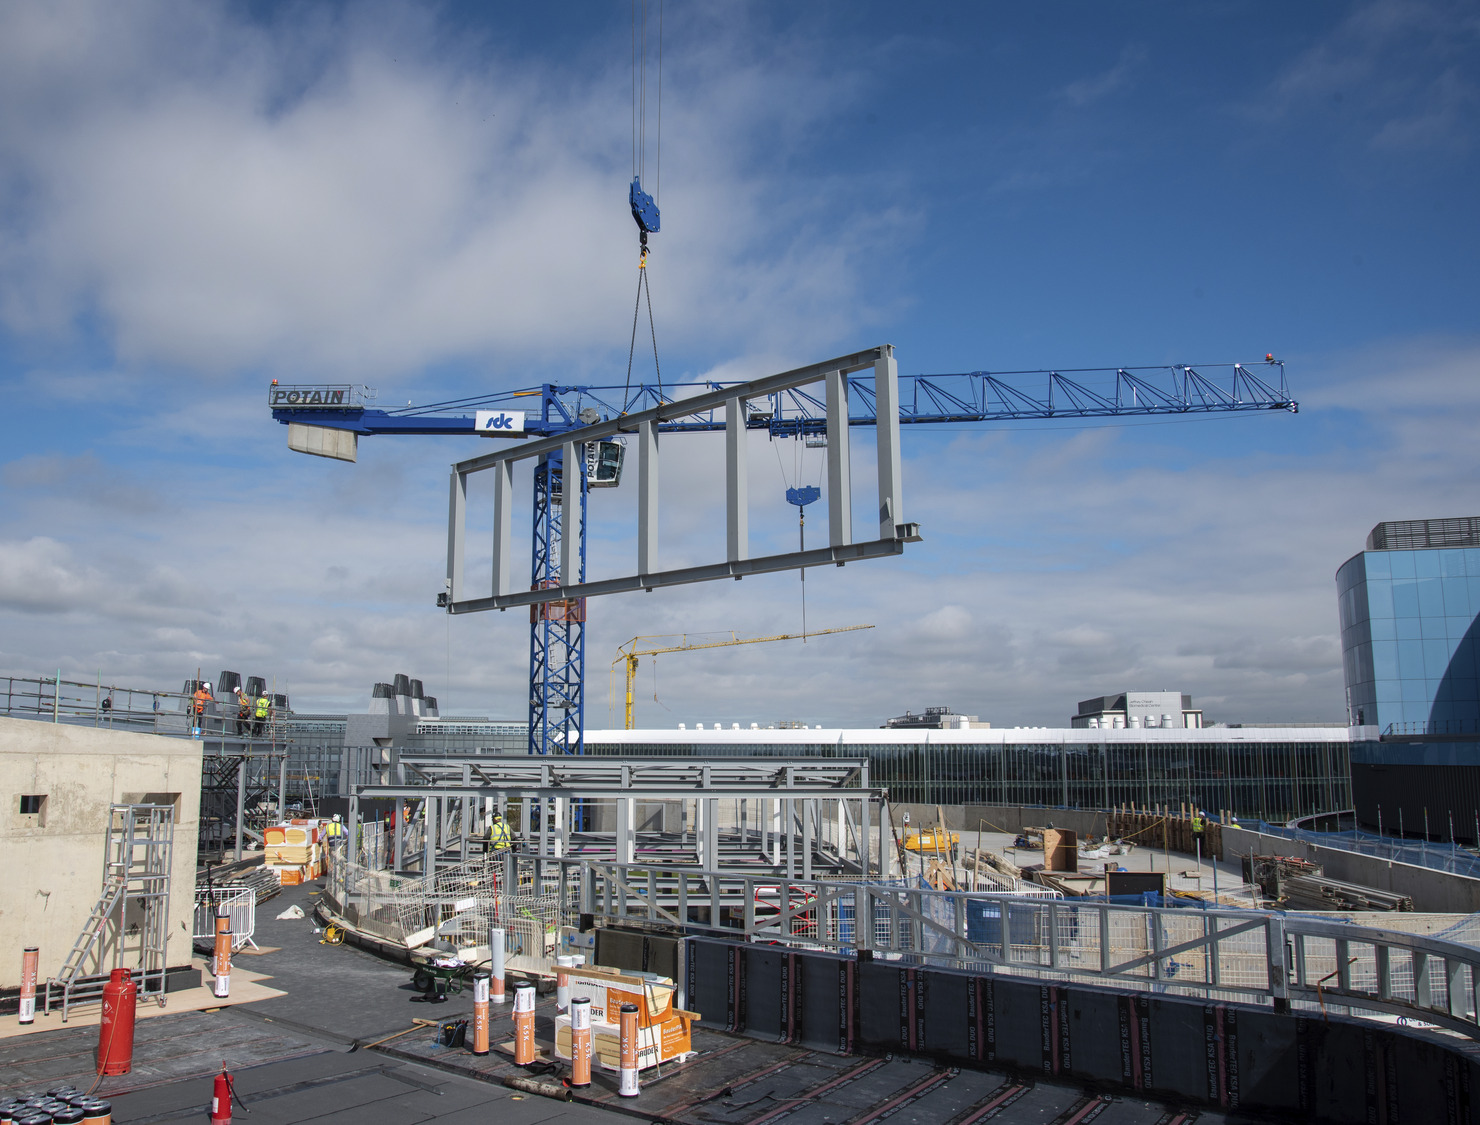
116, 1031
221, 1097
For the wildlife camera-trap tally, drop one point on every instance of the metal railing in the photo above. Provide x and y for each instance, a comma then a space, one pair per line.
98, 704
1241, 955
242, 904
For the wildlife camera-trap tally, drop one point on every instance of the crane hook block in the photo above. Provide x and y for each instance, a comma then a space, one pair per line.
644, 210
804, 495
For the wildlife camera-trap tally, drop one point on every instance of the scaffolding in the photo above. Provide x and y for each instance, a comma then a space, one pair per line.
131, 915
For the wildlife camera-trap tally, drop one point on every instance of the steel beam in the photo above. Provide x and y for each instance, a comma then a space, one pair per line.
794, 560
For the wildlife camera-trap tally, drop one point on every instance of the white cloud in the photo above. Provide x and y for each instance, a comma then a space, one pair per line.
1398, 66
1088, 91
353, 196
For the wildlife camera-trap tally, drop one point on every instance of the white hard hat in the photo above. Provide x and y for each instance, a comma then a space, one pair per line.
336, 816
208, 685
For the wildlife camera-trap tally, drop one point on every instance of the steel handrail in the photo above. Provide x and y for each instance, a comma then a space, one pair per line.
1253, 956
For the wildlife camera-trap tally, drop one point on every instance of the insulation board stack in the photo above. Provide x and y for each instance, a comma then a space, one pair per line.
294, 849
662, 1030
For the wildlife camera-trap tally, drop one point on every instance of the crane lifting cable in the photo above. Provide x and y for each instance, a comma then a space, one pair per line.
644, 207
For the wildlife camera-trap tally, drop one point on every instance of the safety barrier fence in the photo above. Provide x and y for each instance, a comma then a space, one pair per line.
1244, 955
1247, 956
242, 904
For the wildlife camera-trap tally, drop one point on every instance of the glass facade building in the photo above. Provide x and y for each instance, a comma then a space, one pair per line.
1271, 773
1410, 642
1410, 637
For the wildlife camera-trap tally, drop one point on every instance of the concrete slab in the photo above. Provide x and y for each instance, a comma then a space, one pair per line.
246, 988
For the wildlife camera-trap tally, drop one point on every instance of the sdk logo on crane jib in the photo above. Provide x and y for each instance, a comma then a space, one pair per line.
499, 421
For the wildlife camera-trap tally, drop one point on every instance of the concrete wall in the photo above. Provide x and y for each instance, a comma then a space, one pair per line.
1434, 892
53, 871
1000, 818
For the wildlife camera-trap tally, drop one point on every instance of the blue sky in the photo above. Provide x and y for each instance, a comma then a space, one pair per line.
431, 199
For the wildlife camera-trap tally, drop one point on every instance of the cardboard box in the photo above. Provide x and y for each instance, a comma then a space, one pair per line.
290, 876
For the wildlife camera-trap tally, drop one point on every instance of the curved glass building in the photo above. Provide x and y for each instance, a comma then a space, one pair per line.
1410, 640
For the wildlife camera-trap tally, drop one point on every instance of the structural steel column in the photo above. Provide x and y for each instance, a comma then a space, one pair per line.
398, 837
503, 515
737, 504
886, 412
457, 510
430, 812
791, 837
283, 787
241, 801
626, 832
774, 804
839, 480
647, 497
809, 808
570, 514
711, 833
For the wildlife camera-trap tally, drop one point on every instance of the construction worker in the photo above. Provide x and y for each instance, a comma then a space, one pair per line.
243, 711
198, 703
262, 714
1197, 824
335, 831
499, 839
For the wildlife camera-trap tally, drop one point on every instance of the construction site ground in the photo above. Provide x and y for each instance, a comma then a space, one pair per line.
288, 1037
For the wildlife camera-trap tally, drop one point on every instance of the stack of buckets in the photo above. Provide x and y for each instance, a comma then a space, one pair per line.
61, 1105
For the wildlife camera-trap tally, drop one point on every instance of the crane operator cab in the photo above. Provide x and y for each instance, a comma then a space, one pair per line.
604, 462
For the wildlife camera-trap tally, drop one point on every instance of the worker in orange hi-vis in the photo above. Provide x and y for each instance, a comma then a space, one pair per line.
199, 701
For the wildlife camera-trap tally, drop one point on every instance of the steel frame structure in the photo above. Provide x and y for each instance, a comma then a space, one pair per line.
786, 796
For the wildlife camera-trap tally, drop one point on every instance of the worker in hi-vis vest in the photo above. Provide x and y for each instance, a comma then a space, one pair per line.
199, 701
335, 830
499, 839
264, 709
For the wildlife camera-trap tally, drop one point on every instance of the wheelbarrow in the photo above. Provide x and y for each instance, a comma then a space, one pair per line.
440, 977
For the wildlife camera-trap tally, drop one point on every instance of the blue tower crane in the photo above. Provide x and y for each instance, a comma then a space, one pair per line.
329, 419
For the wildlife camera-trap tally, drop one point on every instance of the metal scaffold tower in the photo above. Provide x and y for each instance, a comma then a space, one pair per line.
129, 921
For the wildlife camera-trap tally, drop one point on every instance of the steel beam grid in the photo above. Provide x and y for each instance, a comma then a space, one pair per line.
1250, 956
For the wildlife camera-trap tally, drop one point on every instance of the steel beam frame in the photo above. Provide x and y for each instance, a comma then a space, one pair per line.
569, 582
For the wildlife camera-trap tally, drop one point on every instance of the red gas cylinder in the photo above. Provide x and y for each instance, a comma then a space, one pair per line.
221, 1100
116, 1032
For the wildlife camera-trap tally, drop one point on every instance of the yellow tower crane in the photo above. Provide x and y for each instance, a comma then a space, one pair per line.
629, 656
